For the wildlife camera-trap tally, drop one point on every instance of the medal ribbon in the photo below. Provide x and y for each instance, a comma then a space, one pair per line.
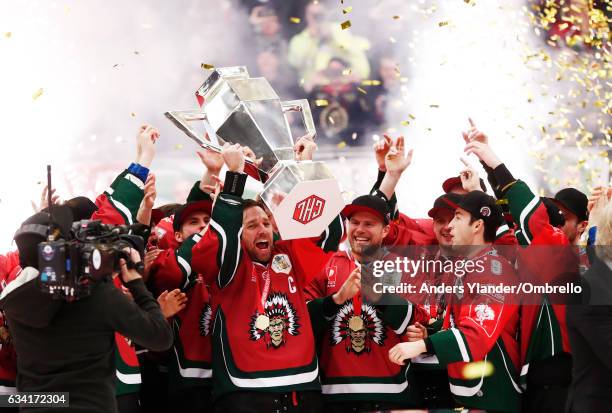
266, 289
357, 299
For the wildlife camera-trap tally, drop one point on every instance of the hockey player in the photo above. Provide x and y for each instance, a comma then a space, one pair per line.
476, 327
263, 347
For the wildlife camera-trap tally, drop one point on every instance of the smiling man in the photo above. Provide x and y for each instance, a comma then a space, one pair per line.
477, 327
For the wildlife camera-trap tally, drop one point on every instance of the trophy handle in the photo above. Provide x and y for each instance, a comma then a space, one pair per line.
302, 106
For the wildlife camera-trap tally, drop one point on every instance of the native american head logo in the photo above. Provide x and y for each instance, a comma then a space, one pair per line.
205, 320
358, 330
278, 319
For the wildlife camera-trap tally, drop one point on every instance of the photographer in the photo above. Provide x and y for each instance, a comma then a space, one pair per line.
69, 346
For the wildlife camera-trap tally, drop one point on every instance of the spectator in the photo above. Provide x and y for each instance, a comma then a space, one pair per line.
280, 75
268, 30
311, 50
388, 89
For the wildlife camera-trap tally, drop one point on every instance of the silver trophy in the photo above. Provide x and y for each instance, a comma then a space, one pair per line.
304, 196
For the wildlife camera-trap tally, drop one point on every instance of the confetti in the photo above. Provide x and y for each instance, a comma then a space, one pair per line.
207, 66
37, 94
411, 117
115, 65
370, 82
341, 145
442, 24
346, 72
392, 39
362, 91
321, 102
347, 10
331, 120
8, 35
434, 106
345, 25
354, 136
396, 17
133, 114
295, 20
136, 52
178, 146
405, 123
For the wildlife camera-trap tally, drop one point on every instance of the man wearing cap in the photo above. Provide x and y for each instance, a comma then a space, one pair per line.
477, 326
547, 257
356, 374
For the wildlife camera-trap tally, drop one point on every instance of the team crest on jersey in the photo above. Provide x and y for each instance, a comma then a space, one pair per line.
281, 263
331, 276
484, 313
278, 320
205, 320
358, 331
496, 267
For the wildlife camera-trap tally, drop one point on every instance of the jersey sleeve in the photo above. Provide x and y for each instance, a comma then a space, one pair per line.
528, 212
398, 313
219, 251
317, 287
119, 204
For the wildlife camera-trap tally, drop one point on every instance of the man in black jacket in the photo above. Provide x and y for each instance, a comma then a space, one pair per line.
69, 347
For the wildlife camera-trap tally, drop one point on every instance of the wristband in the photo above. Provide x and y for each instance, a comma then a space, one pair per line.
234, 183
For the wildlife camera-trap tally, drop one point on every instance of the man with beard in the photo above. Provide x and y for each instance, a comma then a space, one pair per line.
356, 374
476, 327
257, 365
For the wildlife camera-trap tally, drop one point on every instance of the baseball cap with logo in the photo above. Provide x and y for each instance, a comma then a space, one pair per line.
482, 206
183, 212
368, 203
448, 201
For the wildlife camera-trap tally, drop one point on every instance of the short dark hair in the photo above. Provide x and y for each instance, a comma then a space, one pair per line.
490, 230
251, 203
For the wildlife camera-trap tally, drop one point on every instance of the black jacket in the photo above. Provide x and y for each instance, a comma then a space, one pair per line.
590, 333
69, 347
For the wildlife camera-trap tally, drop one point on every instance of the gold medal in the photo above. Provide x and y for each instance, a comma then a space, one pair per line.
262, 322
355, 323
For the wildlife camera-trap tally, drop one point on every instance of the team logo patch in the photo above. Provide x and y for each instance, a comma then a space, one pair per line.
205, 320
281, 263
358, 331
279, 319
485, 211
484, 313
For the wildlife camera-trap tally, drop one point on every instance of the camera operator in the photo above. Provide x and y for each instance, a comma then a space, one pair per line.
70, 346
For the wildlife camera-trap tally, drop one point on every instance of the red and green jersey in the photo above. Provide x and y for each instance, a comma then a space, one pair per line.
543, 327
482, 328
354, 345
118, 205
262, 336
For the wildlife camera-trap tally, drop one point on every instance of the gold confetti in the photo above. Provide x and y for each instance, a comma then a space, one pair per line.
345, 25
133, 114
341, 145
347, 10
8, 35
405, 123
295, 20
37, 94
321, 102
136, 52
207, 66
442, 24
434, 106
178, 146
362, 91
371, 82
411, 117
396, 17
478, 369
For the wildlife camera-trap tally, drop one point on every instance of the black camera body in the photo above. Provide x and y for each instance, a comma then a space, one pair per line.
70, 269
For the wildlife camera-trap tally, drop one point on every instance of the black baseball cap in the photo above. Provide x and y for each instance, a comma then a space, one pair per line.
482, 206
82, 207
448, 201
454, 181
574, 201
555, 215
181, 214
368, 203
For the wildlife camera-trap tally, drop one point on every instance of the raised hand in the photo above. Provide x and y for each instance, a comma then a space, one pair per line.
474, 134
145, 145
469, 177
396, 161
484, 152
233, 157
213, 161
305, 148
350, 288
44, 200
381, 148
250, 155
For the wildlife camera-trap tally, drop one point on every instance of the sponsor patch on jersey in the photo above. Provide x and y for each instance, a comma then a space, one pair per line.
496, 267
281, 263
332, 272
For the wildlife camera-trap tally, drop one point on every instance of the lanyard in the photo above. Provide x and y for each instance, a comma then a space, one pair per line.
261, 302
357, 299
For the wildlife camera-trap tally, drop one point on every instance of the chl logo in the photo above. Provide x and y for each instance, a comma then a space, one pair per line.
308, 209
